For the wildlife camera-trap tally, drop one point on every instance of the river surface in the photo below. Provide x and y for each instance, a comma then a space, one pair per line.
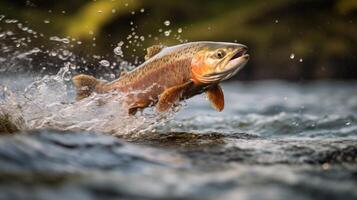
274, 140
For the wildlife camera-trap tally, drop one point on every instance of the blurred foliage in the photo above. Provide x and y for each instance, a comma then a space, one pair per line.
320, 33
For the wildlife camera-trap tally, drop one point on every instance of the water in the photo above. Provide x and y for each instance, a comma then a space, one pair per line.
274, 140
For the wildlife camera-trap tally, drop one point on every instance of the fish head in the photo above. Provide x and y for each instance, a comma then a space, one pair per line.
218, 61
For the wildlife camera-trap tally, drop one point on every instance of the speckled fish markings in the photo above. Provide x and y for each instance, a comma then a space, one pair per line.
171, 74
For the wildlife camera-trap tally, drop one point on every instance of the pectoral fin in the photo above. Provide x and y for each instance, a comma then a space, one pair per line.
171, 96
137, 106
216, 97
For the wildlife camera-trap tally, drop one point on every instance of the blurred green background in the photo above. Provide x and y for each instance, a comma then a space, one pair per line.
288, 39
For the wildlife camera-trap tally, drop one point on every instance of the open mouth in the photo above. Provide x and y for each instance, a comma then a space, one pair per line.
240, 53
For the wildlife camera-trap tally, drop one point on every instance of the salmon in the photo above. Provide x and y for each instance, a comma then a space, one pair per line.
172, 74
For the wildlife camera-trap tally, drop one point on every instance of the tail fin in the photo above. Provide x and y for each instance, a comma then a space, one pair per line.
85, 85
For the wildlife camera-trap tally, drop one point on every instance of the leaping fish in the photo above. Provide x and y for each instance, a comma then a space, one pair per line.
172, 74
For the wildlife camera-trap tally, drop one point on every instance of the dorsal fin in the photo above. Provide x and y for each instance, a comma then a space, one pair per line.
153, 50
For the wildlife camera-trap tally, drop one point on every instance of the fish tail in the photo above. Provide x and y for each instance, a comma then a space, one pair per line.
85, 85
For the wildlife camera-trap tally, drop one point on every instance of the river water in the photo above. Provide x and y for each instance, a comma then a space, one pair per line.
274, 140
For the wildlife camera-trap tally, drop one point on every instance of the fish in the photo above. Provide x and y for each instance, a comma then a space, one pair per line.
172, 74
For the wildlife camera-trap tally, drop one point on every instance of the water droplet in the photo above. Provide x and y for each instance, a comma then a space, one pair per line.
348, 123
301, 60
126, 4
179, 30
142, 38
58, 39
142, 10
53, 53
167, 33
325, 166
67, 76
118, 51
46, 21
73, 67
65, 52
160, 30
100, 11
276, 21
11, 21
104, 63
113, 10
167, 23
292, 56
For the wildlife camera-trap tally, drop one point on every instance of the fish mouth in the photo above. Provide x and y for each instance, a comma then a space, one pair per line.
236, 63
239, 53
232, 64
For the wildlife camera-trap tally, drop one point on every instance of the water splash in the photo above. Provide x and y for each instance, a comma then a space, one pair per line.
46, 100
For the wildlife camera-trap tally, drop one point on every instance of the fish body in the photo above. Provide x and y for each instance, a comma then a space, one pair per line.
171, 74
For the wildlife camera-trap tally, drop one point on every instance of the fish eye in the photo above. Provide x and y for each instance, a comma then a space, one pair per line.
220, 54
